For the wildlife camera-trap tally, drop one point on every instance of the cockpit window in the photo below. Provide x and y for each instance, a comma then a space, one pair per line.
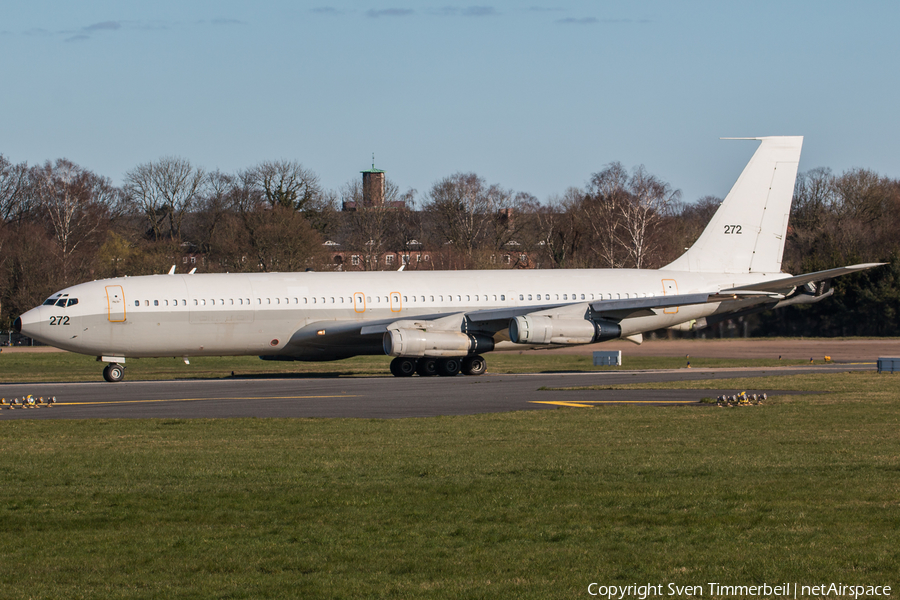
49, 302
72, 302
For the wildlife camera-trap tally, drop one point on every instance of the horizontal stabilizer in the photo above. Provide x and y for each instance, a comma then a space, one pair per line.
788, 283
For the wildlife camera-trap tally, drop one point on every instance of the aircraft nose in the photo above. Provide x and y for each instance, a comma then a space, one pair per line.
28, 323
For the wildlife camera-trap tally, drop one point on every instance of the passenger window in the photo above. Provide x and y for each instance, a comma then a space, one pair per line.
521, 297
503, 296
458, 298
146, 303
404, 298
212, 302
529, 296
137, 302
369, 299
582, 296
156, 303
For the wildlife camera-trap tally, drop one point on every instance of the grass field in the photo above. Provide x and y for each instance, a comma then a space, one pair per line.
525, 505
64, 366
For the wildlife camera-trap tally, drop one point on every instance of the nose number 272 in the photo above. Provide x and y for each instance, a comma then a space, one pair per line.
59, 320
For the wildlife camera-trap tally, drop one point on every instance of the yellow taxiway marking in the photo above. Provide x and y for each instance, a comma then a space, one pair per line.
591, 403
196, 399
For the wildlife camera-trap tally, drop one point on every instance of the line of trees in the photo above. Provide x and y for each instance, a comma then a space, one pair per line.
61, 224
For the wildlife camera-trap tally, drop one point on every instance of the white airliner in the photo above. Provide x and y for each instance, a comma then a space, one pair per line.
441, 322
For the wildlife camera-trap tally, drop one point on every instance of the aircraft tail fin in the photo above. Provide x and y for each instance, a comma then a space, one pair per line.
747, 232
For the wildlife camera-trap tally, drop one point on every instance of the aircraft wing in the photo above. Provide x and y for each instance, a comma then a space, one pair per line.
788, 283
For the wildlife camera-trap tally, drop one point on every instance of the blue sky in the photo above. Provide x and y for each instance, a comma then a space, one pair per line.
534, 96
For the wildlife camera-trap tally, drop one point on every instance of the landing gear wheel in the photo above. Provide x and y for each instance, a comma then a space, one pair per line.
474, 365
448, 367
427, 367
403, 366
114, 372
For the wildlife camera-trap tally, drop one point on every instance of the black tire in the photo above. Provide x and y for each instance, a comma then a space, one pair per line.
474, 365
448, 367
426, 367
114, 373
403, 366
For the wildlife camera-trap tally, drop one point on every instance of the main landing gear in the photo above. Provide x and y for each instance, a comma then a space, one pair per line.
405, 366
114, 372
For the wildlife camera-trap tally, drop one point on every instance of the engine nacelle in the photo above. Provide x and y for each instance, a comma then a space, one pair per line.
536, 329
415, 342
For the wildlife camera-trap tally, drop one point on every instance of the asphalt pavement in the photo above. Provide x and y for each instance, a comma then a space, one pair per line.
370, 397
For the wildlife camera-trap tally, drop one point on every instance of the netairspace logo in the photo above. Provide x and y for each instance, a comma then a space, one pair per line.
721, 590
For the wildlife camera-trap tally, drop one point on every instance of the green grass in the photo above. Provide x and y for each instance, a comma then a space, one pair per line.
63, 366
526, 505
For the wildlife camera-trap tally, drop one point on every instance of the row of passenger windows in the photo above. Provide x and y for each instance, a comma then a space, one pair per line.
377, 299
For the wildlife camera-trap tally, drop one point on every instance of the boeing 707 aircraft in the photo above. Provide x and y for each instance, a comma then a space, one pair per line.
442, 322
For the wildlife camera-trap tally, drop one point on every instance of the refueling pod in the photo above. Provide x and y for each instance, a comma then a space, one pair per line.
538, 329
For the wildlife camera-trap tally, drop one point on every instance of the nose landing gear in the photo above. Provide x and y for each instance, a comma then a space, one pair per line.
114, 372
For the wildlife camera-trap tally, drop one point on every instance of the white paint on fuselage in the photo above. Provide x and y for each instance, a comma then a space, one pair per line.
256, 314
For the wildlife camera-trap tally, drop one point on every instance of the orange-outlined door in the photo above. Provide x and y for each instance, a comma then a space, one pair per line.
115, 303
359, 302
395, 302
670, 288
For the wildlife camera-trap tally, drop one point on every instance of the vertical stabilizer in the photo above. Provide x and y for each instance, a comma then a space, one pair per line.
747, 232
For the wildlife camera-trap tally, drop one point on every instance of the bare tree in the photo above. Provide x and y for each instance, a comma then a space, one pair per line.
464, 211
624, 211
603, 207
165, 191
560, 229
285, 183
77, 203
13, 201
647, 203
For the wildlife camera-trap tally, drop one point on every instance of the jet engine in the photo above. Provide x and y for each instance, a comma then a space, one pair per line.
536, 329
415, 342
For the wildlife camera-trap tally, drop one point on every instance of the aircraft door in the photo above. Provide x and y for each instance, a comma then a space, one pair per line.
396, 305
359, 302
670, 288
115, 301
